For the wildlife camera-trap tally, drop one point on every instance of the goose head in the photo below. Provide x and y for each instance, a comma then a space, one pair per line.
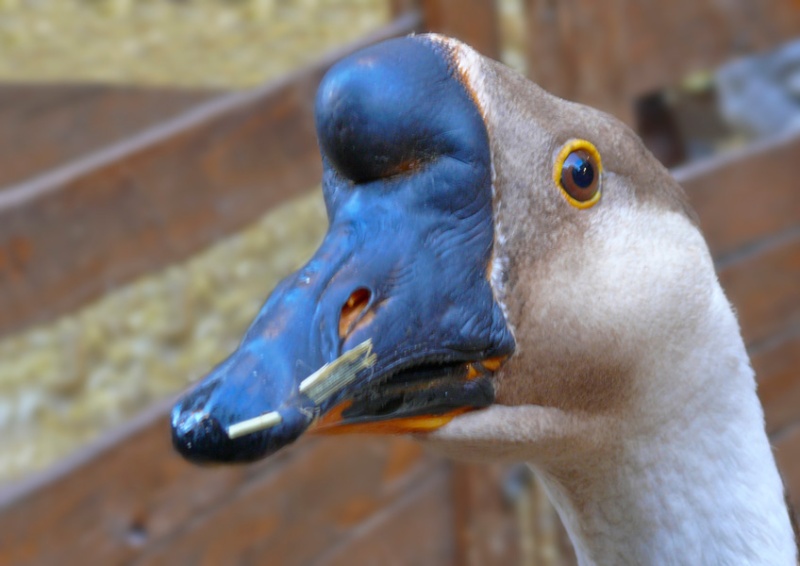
456, 250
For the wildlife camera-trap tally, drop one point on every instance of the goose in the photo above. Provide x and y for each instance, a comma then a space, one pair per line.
510, 276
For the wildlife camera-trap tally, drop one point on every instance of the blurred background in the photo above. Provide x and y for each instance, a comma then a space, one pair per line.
159, 174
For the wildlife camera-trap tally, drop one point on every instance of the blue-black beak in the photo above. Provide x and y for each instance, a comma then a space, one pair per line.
400, 286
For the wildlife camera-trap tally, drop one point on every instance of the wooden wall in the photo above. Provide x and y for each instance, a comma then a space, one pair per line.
130, 499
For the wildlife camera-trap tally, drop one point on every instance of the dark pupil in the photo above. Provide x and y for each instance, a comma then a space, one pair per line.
582, 172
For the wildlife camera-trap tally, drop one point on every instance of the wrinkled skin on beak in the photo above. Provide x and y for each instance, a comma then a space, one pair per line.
405, 265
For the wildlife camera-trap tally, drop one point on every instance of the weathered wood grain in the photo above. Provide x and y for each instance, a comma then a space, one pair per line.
414, 529
474, 22
104, 506
686, 36
576, 51
746, 195
485, 528
135, 499
503, 517
786, 447
43, 126
75, 232
764, 288
777, 367
608, 54
321, 504
399, 8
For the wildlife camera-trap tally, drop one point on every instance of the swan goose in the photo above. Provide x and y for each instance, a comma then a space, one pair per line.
493, 247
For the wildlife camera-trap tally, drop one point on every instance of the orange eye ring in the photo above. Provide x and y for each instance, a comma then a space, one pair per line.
577, 173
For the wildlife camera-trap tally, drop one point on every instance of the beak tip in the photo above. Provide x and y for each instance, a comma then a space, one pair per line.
201, 438
198, 437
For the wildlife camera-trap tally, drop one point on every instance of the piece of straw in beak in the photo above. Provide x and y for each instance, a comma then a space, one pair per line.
332, 377
261, 422
318, 387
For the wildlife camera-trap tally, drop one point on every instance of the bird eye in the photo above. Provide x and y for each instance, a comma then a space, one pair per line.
577, 173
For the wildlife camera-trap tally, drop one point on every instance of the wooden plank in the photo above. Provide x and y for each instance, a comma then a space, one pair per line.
43, 126
135, 499
608, 54
576, 51
786, 447
69, 235
475, 22
399, 8
485, 527
503, 517
777, 368
665, 41
749, 211
319, 505
416, 529
764, 288
745, 195
125, 492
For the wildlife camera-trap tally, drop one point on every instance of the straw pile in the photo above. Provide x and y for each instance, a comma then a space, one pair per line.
64, 383
191, 43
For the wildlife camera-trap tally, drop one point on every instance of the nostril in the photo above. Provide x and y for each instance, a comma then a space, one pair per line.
352, 309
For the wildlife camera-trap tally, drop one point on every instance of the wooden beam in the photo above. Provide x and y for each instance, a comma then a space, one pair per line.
666, 41
141, 204
130, 497
399, 8
748, 207
48, 125
323, 512
786, 447
746, 195
416, 530
608, 54
475, 22
485, 529
764, 288
576, 51
777, 367
503, 517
